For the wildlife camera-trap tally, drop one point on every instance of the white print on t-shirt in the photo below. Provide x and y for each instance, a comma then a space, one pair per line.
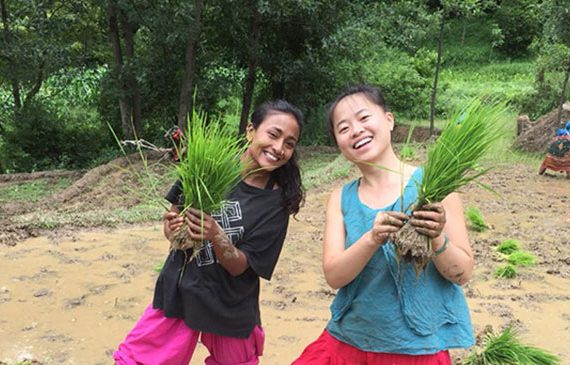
228, 215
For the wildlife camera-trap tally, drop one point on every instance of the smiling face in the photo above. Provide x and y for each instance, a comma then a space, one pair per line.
273, 142
361, 128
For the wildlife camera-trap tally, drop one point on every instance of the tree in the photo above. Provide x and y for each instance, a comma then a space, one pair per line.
557, 31
192, 43
445, 10
122, 30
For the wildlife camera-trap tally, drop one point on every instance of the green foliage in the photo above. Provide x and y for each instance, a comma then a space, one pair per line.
453, 161
40, 139
509, 246
521, 258
210, 166
476, 220
519, 23
505, 348
32, 191
506, 272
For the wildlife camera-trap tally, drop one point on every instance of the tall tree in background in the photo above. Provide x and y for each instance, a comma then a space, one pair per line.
445, 10
122, 30
557, 31
38, 40
192, 42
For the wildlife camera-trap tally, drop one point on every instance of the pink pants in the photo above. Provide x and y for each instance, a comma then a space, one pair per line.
158, 340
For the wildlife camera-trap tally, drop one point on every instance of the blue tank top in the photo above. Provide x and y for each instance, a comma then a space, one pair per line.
386, 308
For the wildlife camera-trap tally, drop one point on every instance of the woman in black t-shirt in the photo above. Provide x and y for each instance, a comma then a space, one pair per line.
215, 296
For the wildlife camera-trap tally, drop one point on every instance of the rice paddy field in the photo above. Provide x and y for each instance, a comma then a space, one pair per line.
79, 261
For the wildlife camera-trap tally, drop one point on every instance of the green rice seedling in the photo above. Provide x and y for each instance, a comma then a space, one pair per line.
210, 166
521, 258
509, 246
506, 272
408, 152
452, 162
506, 349
476, 220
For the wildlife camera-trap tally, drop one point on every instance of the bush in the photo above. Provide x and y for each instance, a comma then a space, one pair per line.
40, 140
519, 23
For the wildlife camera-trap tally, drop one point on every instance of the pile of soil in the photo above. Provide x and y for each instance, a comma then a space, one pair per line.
539, 134
90, 190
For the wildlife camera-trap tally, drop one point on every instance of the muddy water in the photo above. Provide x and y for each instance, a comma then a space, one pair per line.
71, 299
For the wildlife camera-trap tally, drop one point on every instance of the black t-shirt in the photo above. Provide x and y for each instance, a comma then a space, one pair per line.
202, 292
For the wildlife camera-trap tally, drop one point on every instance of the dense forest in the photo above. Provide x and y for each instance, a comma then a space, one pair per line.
72, 70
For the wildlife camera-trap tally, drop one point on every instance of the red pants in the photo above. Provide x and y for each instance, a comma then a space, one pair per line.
327, 350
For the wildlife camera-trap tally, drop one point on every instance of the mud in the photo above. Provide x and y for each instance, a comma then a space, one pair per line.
71, 296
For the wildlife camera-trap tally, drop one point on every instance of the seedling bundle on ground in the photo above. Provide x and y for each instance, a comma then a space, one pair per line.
475, 219
511, 251
452, 162
506, 349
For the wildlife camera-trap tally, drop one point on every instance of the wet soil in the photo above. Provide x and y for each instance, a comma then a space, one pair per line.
70, 296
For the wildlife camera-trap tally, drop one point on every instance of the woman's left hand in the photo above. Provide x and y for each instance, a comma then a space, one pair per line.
199, 230
430, 220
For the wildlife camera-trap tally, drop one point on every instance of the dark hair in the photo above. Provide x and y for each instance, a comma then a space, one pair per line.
288, 176
371, 93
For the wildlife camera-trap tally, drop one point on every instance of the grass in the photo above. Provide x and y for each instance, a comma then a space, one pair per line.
337, 169
33, 191
140, 213
521, 258
506, 272
476, 220
505, 348
508, 246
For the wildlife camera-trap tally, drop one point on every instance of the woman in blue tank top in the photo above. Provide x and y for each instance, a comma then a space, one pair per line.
383, 313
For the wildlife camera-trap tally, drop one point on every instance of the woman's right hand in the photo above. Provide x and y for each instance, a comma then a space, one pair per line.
171, 222
385, 224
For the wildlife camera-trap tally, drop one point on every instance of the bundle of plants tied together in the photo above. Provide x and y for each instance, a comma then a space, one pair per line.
210, 167
452, 162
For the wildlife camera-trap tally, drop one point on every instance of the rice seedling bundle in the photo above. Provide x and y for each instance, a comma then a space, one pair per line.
506, 349
476, 220
210, 167
507, 271
509, 246
452, 162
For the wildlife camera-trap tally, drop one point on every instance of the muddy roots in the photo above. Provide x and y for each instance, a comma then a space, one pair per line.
412, 247
181, 241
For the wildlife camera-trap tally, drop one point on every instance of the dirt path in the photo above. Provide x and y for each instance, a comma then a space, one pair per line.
70, 299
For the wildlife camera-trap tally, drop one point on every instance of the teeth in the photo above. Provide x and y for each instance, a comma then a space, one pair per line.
271, 156
362, 142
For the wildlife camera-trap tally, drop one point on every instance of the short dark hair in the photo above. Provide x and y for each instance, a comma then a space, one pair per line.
288, 176
372, 93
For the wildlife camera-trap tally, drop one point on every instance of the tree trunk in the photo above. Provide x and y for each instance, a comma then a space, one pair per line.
13, 80
250, 79
131, 84
185, 101
37, 85
563, 93
124, 106
436, 76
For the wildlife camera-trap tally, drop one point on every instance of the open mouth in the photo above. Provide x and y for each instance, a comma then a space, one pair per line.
270, 156
362, 142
